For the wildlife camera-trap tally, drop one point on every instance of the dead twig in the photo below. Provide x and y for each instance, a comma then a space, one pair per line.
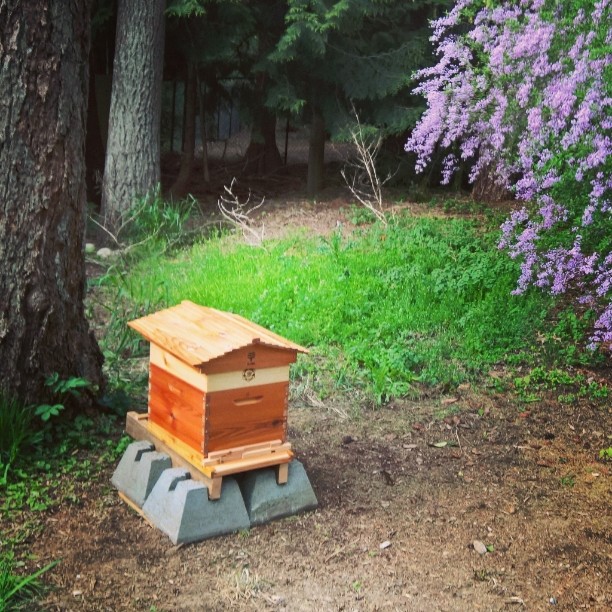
360, 173
240, 214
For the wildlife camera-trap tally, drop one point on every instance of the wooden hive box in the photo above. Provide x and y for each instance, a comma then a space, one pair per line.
217, 382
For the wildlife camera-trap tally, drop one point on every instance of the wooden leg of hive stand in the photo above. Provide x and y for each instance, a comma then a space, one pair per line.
282, 475
214, 489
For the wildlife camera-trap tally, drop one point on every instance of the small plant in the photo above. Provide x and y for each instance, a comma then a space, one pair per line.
61, 388
16, 431
569, 480
605, 454
361, 215
576, 385
15, 590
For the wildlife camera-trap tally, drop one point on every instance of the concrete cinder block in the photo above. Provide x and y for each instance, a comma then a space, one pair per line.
265, 500
138, 471
180, 508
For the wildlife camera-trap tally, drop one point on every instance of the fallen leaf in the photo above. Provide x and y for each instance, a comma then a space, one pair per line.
440, 444
384, 545
449, 400
410, 446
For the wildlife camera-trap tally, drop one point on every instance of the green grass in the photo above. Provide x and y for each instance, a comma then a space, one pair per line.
423, 299
16, 591
16, 431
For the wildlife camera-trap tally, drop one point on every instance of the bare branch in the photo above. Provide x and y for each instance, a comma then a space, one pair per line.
360, 172
240, 214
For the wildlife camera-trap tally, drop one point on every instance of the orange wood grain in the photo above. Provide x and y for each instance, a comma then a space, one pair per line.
197, 335
176, 406
238, 417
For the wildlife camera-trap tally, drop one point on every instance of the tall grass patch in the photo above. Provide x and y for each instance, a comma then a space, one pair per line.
421, 299
16, 431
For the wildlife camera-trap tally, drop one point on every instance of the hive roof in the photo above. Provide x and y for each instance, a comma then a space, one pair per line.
198, 335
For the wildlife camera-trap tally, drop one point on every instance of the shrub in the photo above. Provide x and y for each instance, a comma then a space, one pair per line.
524, 88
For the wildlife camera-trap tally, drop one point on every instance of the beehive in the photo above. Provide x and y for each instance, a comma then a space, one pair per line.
218, 383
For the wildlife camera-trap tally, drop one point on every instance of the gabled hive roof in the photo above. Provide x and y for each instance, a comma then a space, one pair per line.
198, 335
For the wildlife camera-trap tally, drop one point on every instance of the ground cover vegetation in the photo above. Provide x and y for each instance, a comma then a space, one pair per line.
414, 301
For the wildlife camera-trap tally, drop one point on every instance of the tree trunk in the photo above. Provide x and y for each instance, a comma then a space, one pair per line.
132, 166
262, 155
205, 166
316, 154
487, 189
94, 146
179, 189
43, 80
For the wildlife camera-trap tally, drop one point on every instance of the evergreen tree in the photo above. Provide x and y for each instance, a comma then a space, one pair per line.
336, 55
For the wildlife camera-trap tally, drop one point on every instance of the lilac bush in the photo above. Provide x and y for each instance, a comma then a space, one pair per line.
524, 89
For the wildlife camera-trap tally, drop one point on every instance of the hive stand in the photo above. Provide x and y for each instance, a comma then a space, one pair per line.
212, 469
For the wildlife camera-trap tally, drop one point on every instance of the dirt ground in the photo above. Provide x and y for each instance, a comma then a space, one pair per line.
404, 493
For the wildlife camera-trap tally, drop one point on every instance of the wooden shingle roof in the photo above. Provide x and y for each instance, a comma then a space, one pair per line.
198, 335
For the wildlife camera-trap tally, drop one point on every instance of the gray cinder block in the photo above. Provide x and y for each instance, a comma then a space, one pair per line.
138, 471
180, 508
265, 500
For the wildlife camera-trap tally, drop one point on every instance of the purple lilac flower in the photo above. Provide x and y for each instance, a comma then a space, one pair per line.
548, 105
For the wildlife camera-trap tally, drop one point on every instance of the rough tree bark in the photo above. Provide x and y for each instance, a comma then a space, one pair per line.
43, 80
132, 165
262, 155
316, 154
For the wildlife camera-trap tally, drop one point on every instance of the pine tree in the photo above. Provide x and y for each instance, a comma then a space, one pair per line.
340, 55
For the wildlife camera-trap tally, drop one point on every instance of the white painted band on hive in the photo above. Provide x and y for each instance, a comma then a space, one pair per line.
217, 382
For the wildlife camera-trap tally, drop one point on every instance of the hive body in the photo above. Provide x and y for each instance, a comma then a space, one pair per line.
217, 382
